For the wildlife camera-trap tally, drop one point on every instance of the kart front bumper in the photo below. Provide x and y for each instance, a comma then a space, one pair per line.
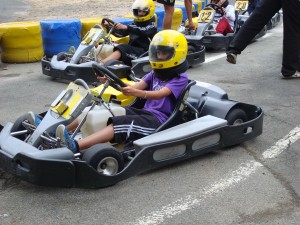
59, 168
68, 71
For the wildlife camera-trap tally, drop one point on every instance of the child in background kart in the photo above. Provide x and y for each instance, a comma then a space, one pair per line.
226, 22
161, 89
141, 31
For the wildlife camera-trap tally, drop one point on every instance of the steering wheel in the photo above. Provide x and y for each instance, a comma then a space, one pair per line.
217, 8
111, 26
113, 79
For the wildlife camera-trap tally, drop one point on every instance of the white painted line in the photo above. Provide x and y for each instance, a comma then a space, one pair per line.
213, 58
282, 144
195, 199
233, 178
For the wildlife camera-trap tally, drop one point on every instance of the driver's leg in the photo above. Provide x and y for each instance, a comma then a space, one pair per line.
223, 27
115, 55
104, 135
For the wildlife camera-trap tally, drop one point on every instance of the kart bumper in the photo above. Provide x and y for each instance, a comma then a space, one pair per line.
68, 71
51, 167
216, 41
58, 167
195, 58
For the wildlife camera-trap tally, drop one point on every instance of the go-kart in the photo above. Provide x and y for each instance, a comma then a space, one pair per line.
206, 23
78, 65
204, 120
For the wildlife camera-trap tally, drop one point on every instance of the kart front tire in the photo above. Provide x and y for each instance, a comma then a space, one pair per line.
18, 126
61, 56
105, 159
191, 49
236, 116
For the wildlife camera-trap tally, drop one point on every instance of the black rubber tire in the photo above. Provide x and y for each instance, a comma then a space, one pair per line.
18, 126
61, 56
236, 116
99, 155
191, 49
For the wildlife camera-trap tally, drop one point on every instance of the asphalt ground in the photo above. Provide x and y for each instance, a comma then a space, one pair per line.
12, 9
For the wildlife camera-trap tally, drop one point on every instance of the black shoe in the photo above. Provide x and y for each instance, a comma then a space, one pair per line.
231, 58
295, 75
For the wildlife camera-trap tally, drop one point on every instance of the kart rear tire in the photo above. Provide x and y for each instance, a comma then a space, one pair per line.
236, 116
105, 159
18, 126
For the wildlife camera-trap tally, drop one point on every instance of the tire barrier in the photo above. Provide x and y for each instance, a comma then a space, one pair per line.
88, 23
198, 4
21, 42
181, 6
59, 35
177, 18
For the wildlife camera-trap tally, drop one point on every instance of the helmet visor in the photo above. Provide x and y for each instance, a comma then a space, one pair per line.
140, 12
158, 53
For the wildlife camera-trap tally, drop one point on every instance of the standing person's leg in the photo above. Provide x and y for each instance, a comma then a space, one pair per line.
188, 4
168, 17
291, 37
253, 25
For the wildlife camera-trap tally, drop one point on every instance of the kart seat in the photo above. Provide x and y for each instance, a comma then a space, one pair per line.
176, 117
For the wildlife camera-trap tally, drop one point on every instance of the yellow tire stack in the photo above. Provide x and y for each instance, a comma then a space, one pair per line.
88, 23
21, 42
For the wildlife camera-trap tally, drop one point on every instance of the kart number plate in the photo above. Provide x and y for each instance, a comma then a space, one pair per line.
94, 35
205, 16
241, 5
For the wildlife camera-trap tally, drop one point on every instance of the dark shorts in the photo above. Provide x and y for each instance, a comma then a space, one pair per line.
129, 53
167, 2
137, 123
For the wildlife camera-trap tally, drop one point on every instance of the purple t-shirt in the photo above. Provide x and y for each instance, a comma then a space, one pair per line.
162, 108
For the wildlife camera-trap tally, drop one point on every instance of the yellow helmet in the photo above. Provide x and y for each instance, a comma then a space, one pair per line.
167, 49
143, 5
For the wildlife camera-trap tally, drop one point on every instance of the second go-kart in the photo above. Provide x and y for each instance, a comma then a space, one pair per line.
78, 65
204, 120
206, 23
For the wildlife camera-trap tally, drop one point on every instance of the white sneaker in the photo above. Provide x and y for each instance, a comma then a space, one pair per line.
65, 138
33, 119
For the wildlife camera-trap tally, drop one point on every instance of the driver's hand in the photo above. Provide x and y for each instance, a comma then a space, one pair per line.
224, 10
128, 90
101, 79
120, 26
105, 23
